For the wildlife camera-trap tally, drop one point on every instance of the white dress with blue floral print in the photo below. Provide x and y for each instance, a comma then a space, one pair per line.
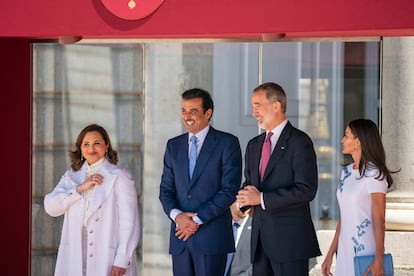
356, 235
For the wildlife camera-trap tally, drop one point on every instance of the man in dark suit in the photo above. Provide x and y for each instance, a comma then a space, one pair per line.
197, 199
239, 263
281, 179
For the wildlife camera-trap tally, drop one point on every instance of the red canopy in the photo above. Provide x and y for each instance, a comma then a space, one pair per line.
249, 19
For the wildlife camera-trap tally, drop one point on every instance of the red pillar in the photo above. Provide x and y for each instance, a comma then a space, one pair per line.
16, 151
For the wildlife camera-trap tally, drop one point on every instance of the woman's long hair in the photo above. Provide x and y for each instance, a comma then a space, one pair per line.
371, 147
76, 157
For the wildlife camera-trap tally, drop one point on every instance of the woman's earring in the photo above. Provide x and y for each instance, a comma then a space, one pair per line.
81, 157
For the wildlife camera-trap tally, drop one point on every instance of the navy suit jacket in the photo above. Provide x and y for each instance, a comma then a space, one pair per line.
290, 182
212, 189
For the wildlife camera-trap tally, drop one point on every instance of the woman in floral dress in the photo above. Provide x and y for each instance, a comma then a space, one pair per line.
361, 196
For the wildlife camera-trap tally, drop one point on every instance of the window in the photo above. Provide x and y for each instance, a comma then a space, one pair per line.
134, 91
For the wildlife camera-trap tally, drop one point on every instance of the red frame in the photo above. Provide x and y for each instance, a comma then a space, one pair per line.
70, 20
16, 141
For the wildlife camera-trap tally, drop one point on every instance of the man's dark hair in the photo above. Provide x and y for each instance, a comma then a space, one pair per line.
200, 93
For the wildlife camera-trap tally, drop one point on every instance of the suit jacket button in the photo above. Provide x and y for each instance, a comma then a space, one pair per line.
189, 196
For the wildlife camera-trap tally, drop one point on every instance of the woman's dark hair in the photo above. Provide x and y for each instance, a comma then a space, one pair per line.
200, 93
76, 155
372, 148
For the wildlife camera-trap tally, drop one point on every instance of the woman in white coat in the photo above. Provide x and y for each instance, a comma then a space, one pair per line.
99, 202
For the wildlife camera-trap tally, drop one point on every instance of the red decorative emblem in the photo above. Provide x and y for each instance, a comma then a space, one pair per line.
132, 9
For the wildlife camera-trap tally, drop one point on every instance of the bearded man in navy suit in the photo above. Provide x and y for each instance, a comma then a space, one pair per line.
197, 200
283, 235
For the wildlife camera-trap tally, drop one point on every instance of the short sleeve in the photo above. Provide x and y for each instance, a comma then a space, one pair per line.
375, 184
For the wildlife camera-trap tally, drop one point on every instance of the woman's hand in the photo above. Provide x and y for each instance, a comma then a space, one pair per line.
326, 266
90, 182
117, 271
376, 268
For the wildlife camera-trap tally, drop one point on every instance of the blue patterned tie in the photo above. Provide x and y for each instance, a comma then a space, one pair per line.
193, 155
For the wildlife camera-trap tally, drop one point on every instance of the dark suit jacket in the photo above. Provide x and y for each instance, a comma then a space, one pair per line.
215, 182
290, 182
241, 264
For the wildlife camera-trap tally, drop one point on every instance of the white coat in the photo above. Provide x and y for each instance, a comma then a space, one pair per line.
112, 223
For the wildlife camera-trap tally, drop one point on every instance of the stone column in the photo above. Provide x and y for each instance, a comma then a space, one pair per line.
170, 69
398, 108
398, 128
163, 87
398, 139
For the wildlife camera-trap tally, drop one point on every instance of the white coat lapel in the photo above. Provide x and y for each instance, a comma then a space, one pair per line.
101, 192
78, 177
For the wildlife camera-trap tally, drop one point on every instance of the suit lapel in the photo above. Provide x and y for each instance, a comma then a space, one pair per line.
255, 156
279, 150
245, 235
182, 158
100, 192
